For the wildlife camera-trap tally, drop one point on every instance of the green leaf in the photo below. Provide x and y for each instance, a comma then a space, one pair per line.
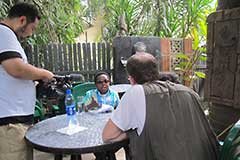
182, 56
200, 74
203, 57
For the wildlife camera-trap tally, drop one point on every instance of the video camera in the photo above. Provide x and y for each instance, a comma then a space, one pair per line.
58, 86
53, 92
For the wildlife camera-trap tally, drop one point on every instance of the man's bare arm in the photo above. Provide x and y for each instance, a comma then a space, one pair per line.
18, 69
112, 133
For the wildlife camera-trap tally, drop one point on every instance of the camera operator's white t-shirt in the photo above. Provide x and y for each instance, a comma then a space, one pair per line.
17, 96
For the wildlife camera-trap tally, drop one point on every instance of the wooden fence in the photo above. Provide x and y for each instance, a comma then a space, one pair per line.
83, 58
87, 58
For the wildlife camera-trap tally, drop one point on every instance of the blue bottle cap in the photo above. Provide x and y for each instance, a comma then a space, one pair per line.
68, 91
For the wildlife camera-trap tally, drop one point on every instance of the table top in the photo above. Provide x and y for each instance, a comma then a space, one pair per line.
45, 137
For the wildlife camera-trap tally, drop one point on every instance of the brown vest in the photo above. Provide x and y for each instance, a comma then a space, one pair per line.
175, 127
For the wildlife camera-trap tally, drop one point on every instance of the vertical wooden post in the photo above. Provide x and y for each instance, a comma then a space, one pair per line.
165, 51
187, 46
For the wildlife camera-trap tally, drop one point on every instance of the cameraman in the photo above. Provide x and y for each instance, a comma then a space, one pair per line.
17, 96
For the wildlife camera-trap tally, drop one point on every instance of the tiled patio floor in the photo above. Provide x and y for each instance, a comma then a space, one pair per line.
120, 155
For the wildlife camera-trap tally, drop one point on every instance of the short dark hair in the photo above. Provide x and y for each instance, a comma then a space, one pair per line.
24, 9
97, 74
143, 68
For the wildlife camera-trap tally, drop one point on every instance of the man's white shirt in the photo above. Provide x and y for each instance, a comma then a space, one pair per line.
131, 111
17, 96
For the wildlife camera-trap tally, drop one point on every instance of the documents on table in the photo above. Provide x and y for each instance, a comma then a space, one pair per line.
71, 130
104, 109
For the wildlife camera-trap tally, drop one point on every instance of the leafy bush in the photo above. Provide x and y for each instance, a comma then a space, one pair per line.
187, 68
61, 20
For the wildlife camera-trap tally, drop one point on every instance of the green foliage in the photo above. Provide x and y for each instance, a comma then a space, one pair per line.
175, 19
168, 18
61, 20
134, 13
3, 10
188, 64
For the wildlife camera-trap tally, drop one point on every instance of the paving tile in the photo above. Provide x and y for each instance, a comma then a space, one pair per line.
38, 155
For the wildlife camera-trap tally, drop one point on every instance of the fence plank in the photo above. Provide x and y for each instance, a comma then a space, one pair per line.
60, 57
29, 54
108, 56
83, 58
55, 58
70, 58
89, 57
45, 57
75, 57
65, 58
50, 64
79, 53
94, 67
89, 62
99, 56
35, 59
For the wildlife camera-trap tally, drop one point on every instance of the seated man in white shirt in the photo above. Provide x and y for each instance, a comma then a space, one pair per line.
162, 120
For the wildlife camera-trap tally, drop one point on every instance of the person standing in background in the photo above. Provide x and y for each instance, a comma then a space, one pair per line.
17, 89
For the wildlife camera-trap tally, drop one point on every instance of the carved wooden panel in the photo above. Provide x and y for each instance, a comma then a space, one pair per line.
223, 65
228, 4
237, 87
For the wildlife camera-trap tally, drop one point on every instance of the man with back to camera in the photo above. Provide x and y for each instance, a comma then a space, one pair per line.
162, 120
17, 96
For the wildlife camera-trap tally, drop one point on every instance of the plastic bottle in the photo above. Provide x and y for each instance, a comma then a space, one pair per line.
70, 109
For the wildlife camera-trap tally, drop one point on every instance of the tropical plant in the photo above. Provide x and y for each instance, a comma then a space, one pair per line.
187, 67
61, 19
133, 12
3, 10
168, 18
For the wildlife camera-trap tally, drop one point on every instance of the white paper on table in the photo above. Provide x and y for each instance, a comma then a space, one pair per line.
71, 130
105, 108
